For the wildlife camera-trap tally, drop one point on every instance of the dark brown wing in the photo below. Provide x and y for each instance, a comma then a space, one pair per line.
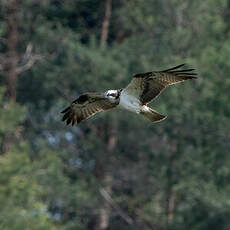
86, 106
146, 86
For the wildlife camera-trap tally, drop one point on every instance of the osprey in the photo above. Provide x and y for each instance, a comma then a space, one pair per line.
143, 88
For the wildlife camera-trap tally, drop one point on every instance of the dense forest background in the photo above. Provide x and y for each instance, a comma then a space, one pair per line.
117, 170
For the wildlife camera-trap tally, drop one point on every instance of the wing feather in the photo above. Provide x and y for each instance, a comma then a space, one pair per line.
147, 86
86, 106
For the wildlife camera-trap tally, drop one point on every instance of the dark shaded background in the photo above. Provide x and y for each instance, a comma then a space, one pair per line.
117, 170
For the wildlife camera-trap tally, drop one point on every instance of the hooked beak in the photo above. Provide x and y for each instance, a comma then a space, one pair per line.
118, 93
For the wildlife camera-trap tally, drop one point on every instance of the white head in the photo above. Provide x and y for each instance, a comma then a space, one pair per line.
112, 94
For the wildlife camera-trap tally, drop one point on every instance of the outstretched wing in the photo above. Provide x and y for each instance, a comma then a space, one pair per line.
86, 106
146, 86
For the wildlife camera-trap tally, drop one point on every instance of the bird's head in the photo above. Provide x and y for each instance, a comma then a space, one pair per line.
112, 94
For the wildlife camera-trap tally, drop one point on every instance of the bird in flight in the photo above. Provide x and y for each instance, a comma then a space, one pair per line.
142, 89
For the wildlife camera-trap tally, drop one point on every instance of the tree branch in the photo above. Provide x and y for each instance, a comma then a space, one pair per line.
109, 199
106, 22
29, 63
28, 59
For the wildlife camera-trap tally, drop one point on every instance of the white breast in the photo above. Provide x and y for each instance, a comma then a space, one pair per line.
129, 102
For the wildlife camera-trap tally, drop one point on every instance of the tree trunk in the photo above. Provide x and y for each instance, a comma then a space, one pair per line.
170, 205
12, 43
107, 178
170, 195
104, 212
106, 22
12, 63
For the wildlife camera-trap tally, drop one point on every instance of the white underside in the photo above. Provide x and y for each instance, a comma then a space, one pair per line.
130, 102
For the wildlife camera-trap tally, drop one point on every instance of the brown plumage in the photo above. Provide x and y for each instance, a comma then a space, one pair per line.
150, 85
86, 106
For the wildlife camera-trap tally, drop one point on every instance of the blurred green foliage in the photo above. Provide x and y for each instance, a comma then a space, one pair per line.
170, 175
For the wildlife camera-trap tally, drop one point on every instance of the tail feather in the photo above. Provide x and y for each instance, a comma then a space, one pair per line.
152, 115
